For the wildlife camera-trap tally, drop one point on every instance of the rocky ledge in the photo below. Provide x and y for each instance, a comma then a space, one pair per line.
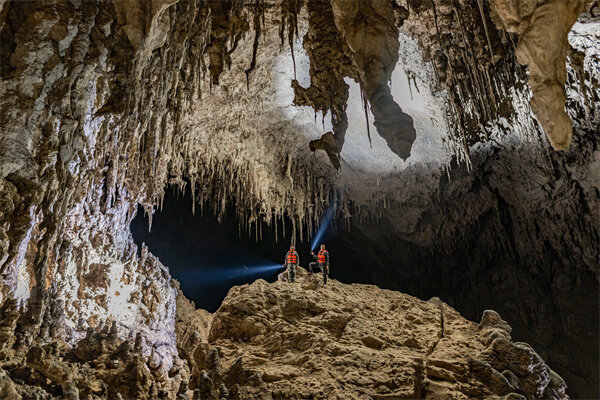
304, 340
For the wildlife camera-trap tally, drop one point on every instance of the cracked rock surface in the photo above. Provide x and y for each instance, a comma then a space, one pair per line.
338, 341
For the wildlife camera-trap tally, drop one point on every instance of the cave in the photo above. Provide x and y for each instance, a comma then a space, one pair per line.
158, 159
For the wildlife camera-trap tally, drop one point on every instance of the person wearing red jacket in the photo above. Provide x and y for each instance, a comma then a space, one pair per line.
291, 260
322, 262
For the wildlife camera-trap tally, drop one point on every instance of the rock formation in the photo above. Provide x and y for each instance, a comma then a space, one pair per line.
104, 104
306, 340
40, 364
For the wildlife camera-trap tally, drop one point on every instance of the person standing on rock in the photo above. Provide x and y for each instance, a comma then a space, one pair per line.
291, 260
322, 262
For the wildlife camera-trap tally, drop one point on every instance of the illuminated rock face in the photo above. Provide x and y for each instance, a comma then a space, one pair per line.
100, 108
78, 149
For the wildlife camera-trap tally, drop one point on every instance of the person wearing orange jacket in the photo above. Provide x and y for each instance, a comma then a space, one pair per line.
291, 260
322, 262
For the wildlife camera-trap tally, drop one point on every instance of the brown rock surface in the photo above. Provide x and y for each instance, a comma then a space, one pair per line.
306, 340
37, 362
191, 326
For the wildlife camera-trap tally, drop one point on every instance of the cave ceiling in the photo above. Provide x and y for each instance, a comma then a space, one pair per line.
111, 102
168, 55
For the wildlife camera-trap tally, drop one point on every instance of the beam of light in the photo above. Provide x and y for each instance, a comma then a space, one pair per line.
323, 227
246, 273
250, 270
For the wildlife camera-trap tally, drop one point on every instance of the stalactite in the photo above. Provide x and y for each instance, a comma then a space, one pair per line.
485, 27
258, 9
469, 90
366, 108
289, 20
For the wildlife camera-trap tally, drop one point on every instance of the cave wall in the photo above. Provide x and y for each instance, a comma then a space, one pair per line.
80, 149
